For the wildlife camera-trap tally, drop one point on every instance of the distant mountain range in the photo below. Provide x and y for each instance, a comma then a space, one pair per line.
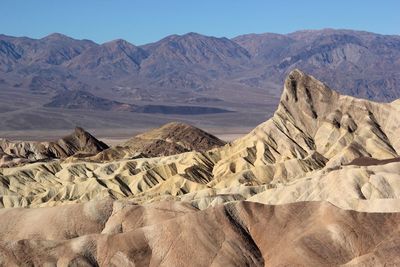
356, 63
194, 69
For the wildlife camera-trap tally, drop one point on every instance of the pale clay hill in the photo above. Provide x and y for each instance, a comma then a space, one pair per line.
324, 170
115, 233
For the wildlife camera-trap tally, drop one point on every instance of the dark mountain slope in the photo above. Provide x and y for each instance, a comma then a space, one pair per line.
192, 60
170, 139
85, 100
110, 60
357, 63
244, 73
53, 49
78, 99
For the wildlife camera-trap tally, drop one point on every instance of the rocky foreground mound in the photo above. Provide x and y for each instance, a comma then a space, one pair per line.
329, 163
115, 233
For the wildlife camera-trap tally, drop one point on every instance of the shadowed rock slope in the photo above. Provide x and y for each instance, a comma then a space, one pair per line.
170, 139
79, 99
84, 100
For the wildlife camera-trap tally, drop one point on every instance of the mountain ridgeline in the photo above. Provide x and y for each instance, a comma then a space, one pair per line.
357, 63
50, 79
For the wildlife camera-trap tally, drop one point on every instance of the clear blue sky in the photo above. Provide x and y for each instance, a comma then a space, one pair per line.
149, 20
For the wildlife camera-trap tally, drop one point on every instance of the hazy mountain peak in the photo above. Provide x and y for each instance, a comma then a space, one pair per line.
119, 45
192, 34
79, 130
174, 37
110, 60
57, 36
118, 42
210, 53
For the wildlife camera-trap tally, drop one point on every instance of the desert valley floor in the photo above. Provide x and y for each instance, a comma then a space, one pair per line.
317, 184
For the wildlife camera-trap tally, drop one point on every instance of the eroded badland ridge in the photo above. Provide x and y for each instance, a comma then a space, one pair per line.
316, 184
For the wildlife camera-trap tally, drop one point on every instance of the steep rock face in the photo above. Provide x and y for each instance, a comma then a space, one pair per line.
359, 126
340, 127
313, 127
8, 56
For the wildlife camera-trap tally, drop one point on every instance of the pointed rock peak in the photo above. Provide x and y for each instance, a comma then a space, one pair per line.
305, 98
196, 37
304, 88
187, 37
193, 35
79, 131
179, 131
173, 138
83, 141
182, 36
176, 124
396, 104
118, 44
172, 128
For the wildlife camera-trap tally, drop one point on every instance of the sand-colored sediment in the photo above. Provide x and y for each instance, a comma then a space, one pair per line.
172, 234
